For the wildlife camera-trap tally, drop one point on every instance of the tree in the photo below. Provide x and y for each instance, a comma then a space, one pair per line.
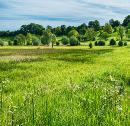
94, 24
114, 23
35, 41
121, 32
32, 28
82, 29
104, 35
53, 39
74, 41
90, 34
20, 40
46, 37
63, 30
90, 45
65, 40
108, 28
126, 21
73, 33
29, 39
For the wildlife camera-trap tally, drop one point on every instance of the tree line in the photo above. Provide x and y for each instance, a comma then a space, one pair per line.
34, 34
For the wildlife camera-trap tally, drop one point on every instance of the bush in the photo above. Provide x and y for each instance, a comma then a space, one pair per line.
101, 43
96, 43
20, 40
57, 43
65, 40
74, 41
125, 43
10, 43
90, 45
35, 41
120, 43
112, 42
1, 43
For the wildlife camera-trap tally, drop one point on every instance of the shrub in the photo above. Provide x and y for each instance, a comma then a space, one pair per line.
90, 45
10, 43
57, 43
101, 43
74, 41
35, 41
1, 43
120, 43
65, 40
96, 43
125, 43
20, 40
112, 42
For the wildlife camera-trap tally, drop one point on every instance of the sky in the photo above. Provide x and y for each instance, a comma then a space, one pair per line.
14, 13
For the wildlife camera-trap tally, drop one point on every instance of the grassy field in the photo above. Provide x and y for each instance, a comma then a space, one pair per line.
64, 86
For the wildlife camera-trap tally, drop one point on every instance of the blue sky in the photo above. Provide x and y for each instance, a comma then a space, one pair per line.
14, 13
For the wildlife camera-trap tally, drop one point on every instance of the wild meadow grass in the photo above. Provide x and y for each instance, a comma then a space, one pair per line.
65, 87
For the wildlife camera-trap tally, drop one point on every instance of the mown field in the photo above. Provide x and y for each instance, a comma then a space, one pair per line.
65, 86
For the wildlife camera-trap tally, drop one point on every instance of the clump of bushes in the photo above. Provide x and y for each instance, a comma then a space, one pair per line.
74, 41
100, 43
10, 43
65, 40
36, 41
57, 43
120, 43
112, 42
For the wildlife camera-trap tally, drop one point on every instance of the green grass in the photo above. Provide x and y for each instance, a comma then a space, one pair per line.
64, 86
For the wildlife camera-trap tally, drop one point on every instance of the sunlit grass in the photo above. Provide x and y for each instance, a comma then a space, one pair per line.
74, 86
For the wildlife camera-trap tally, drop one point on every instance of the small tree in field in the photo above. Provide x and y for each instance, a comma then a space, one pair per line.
90, 45
53, 39
46, 37
121, 32
74, 41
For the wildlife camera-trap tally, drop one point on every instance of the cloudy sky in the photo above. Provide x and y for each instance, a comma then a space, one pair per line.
14, 13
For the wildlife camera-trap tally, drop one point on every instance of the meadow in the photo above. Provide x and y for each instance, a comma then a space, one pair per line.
64, 86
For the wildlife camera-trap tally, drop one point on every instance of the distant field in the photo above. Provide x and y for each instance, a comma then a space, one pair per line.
64, 86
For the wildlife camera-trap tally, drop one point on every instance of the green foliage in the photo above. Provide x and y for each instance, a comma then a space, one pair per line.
90, 34
65, 40
35, 41
120, 43
126, 21
104, 35
53, 39
121, 32
74, 41
96, 43
29, 39
20, 40
108, 28
114, 23
73, 33
1, 42
112, 42
46, 37
10, 43
94, 24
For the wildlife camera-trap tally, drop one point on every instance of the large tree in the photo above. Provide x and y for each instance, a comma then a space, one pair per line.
121, 32
90, 34
114, 23
94, 24
108, 28
126, 21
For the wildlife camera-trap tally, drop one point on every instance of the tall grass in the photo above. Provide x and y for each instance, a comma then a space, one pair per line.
70, 87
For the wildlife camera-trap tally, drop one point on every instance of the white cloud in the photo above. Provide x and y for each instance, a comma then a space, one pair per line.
14, 13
